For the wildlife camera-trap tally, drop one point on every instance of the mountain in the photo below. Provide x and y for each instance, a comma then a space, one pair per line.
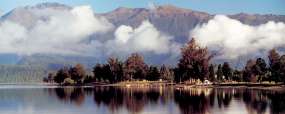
169, 19
29, 15
178, 21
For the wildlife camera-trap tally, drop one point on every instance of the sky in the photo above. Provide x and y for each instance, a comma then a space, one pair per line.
210, 6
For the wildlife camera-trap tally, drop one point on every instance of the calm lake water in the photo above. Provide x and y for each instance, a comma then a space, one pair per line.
161, 100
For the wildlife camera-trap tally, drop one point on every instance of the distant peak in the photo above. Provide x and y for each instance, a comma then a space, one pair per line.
242, 13
168, 6
125, 10
171, 8
122, 9
49, 5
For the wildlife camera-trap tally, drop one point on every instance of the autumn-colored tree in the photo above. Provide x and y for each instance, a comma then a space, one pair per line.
194, 61
77, 73
248, 74
135, 68
274, 65
255, 70
227, 71
116, 68
273, 57
61, 75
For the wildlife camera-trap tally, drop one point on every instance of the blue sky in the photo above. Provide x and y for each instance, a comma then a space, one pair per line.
211, 6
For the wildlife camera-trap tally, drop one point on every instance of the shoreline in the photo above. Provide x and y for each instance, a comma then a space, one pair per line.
154, 84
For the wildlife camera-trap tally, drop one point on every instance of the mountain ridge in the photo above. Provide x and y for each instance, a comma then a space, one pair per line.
178, 21
169, 19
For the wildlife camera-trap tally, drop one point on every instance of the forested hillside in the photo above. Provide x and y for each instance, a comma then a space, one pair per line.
21, 73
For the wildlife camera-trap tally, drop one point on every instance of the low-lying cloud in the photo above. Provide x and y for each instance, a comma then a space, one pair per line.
145, 38
233, 39
61, 33
69, 32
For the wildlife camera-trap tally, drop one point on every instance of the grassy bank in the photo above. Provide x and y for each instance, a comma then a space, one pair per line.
248, 84
182, 85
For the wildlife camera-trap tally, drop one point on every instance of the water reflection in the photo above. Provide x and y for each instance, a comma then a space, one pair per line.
192, 102
184, 101
75, 95
133, 99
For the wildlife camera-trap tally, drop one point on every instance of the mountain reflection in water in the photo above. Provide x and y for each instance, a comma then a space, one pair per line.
159, 100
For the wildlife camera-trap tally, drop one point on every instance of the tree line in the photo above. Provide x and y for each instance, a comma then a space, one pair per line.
194, 65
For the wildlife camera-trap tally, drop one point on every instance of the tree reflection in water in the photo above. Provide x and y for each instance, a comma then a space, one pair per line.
75, 95
188, 101
193, 101
133, 99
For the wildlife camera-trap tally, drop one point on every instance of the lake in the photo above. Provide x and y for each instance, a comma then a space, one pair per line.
160, 100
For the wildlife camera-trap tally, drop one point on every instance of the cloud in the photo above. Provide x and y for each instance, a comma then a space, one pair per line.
234, 39
1, 12
151, 5
73, 32
63, 32
145, 39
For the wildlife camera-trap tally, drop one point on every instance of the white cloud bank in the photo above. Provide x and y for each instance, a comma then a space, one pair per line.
68, 32
61, 33
145, 38
234, 39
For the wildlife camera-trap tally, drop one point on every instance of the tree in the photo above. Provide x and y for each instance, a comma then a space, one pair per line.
211, 73
135, 68
177, 75
227, 71
107, 74
220, 73
274, 65
259, 69
61, 75
273, 57
88, 79
166, 73
237, 76
77, 73
281, 71
97, 72
153, 74
248, 74
194, 61
116, 68
49, 78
